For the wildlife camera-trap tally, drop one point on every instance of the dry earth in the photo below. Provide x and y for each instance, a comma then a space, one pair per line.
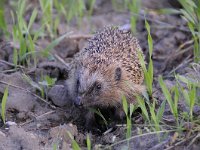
35, 123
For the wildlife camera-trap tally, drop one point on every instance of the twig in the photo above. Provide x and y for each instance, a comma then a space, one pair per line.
159, 145
37, 117
108, 131
187, 60
177, 53
179, 143
80, 36
120, 125
11, 64
29, 121
45, 114
61, 60
137, 136
142, 16
184, 44
9, 71
193, 140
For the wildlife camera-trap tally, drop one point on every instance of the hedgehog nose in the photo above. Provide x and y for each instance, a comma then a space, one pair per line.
78, 101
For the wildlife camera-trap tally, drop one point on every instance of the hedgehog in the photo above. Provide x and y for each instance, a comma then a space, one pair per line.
107, 69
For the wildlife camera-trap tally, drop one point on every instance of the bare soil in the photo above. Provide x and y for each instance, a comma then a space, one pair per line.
34, 123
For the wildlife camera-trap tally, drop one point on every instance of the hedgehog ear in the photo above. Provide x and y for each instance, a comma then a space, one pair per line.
118, 73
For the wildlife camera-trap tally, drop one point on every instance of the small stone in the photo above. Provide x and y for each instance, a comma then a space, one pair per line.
59, 95
10, 123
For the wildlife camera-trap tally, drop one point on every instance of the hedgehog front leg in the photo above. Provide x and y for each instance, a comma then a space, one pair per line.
89, 120
119, 113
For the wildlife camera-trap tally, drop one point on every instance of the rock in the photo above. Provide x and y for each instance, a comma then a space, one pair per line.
59, 95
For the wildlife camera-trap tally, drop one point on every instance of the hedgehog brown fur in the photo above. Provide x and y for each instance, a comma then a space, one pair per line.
107, 69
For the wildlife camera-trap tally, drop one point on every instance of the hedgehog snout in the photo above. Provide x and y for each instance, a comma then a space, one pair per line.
78, 101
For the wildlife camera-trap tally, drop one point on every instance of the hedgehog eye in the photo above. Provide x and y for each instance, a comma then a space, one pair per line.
78, 82
118, 74
78, 85
98, 86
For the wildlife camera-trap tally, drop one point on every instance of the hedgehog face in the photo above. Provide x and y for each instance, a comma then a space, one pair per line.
94, 89
89, 87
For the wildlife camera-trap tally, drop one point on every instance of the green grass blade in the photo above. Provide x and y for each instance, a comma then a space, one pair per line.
15, 56
3, 24
150, 40
186, 96
143, 107
91, 6
192, 95
188, 81
98, 112
192, 30
167, 95
3, 105
31, 82
169, 11
88, 142
21, 8
132, 108
54, 146
142, 62
188, 16
125, 105
55, 42
75, 145
32, 19
161, 110
50, 81
154, 117
129, 127
176, 98
150, 70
